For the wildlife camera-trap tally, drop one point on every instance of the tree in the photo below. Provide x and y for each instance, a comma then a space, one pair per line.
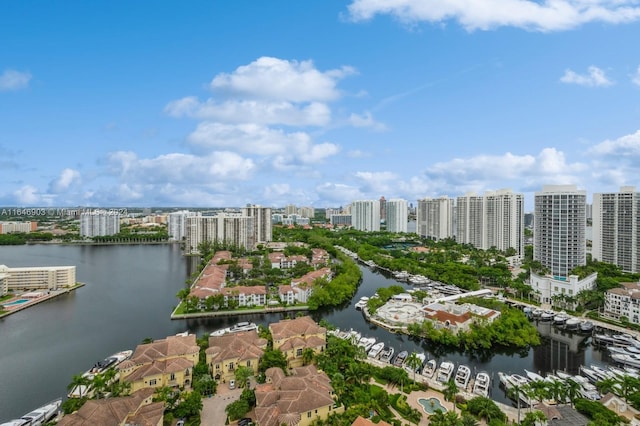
242, 374
534, 417
307, 356
237, 409
190, 405
414, 362
272, 358
79, 382
450, 392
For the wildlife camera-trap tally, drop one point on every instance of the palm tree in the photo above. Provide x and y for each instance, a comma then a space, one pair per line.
307, 356
514, 392
532, 418
80, 382
413, 362
629, 385
573, 390
338, 383
450, 392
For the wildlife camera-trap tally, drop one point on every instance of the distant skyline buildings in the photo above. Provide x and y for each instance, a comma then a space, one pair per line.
396, 214
435, 218
365, 215
99, 223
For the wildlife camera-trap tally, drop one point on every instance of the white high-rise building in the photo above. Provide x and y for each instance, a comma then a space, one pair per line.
178, 224
616, 225
365, 215
99, 223
226, 228
493, 220
434, 218
560, 242
397, 215
262, 224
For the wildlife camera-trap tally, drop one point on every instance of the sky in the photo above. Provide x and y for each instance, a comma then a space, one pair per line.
314, 103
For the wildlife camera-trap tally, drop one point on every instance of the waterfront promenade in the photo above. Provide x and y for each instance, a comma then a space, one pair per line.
10, 306
237, 312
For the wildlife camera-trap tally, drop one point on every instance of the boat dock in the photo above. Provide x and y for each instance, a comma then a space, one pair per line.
32, 301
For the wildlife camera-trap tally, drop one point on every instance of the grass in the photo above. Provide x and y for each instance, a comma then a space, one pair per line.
6, 297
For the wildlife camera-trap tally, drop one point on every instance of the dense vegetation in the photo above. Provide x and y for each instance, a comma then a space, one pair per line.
23, 238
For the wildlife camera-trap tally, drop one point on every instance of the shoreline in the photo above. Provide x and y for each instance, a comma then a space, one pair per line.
51, 295
236, 313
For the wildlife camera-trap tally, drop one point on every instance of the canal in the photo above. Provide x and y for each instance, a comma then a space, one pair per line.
129, 294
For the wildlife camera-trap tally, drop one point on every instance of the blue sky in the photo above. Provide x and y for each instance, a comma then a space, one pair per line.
319, 103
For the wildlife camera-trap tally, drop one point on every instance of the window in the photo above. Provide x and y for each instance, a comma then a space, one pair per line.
249, 363
152, 382
309, 414
230, 366
172, 376
299, 352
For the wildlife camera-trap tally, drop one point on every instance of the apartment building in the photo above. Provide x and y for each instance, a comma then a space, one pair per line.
616, 225
623, 302
224, 228
293, 336
365, 215
262, 226
435, 218
396, 214
17, 227
36, 278
228, 352
177, 224
99, 223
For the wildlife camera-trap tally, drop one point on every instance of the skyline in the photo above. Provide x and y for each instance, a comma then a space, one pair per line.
317, 104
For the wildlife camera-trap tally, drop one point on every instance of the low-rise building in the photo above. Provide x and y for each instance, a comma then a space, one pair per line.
457, 317
135, 409
623, 302
549, 288
293, 336
228, 352
300, 398
165, 362
18, 227
38, 277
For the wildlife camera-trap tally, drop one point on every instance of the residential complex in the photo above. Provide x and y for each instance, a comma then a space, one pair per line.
434, 218
36, 278
262, 231
99, 223
396, 214
559, 242
623, 302
365, 215
228, 352
17, 227
495, 219
616, 228
177, 226
294, 336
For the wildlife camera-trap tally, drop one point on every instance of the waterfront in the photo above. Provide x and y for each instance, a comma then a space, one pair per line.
129, 295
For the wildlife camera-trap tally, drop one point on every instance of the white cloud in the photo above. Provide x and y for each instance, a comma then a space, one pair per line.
545, 15
625, 146
14, 80
365, 120
67, 178
281, 80
27, 195
595, 77
635, 79
251, 139
338, 193
377, 182
252, 111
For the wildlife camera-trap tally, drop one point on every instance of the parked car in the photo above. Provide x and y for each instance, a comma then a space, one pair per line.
245, 422
232, 384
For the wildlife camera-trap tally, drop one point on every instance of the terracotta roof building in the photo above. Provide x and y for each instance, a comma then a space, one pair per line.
228, 352
293, 336
457, 317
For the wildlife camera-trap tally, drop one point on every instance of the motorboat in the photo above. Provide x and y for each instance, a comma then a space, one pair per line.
445, 371
563, 375
99, 367
39, 416
589, 374
620, 373
237, 328
537, 313
401, 275
516, 381
602, 373
603, 339
586, 326
547, 315
375, 350
463, 375
560, 318
627, 360
367, 343
624, 339
587, 389
400, 358
430, 368
481, 384
422, 357
534, 377
387, 354
572, 323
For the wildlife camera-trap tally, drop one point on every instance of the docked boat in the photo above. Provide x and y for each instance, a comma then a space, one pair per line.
602, 373
375, 350
563, 375
401, 275
445, 372
463, 375
572, 323
587, 389
481, 384
387, 354
237, 328
430, 368
603, 339
421, 357
586, 326
400, 358
367, 343
112, 361
534, 377
589, 374
560, 318
547, 315
631, 360
537, 313
39, 416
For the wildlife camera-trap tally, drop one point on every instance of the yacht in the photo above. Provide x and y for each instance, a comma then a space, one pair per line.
563, 375
632, 360
237, 328
602, 373
375, 350
39, 416
587, 390
586, 326
589, 374
430, 368
387, 354
445, 371
400, 358
367, 343
463, 374
534, 377
572, 323
422, 357
401, 275
547, 315
481, 384
99, 367
560, 318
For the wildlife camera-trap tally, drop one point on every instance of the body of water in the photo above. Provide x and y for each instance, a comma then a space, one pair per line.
129, 295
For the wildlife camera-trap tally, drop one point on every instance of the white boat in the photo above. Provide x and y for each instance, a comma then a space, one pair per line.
563, 375
463, 375
547, 315
572, 323
481, 384
401, 275
237, 328
39, 416
586, 326
360, 305
534, 377
445, 371
631, 360
430, 368
99, 367
587, 389
518, 381
375, 350
400, 358
560, 318
387, 354
602, 373
422, 357
589, 374
367, 343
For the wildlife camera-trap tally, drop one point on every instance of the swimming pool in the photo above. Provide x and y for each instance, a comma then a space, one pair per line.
16, 302
431, 405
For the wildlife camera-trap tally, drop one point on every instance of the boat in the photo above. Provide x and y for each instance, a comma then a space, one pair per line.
547, 315
375, 350
237, 328
445, 372
430, 368
367, 343
400, 358
586, 326
620, 373
603, 339
481, 384
401, 275
422, 357
463, 374
602, 373
589, 374
560, 318
39, 416
624, 339
631, 360
587, 390
99, 367
387, 354
563, 375
537, 313
572, 323
534, 377
515, 381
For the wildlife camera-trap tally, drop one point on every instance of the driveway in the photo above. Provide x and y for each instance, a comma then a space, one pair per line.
213, 413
